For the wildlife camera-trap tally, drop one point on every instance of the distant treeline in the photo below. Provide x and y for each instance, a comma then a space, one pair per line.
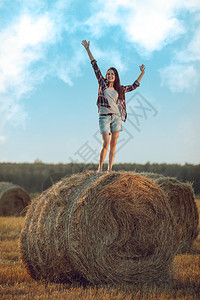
38, 176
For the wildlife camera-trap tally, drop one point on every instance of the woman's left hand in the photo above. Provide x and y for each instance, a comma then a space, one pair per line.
142, 68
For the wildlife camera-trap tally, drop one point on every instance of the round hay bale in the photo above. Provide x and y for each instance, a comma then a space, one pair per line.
182, 202
114, 228
13, 199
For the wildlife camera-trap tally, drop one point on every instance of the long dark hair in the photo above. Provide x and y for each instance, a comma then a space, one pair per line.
117, 84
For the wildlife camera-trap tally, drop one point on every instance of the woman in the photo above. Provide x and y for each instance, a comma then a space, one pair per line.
111, 106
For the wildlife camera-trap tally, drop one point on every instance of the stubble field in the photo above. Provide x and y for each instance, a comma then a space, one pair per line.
15, 283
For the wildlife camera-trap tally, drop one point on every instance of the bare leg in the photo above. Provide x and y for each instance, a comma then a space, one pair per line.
113, 142
105, 138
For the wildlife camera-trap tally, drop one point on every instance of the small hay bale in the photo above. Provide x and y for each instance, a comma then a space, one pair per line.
13, 199
182, 202
113, 228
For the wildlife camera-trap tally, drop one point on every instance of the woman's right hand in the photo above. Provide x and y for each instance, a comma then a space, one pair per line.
86, 44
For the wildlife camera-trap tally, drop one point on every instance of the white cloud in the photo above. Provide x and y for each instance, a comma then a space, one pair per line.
25, 43
11, 111
2, 139
65, 68
192, 51
22, 45
183, 71
109, 56
179, 77
149, 24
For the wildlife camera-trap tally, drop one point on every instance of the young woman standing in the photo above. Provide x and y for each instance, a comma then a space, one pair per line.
111, 106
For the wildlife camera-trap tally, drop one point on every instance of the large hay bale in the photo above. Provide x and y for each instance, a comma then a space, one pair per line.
13, 199
112, 228
182, 202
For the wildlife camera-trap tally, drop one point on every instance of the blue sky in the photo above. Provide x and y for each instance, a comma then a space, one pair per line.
48, 90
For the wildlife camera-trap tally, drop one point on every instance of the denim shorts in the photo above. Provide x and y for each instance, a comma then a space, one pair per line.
109, 123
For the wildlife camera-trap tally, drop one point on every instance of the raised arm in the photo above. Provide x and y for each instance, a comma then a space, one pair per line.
136, 83
95, 67
142, 68
86, 45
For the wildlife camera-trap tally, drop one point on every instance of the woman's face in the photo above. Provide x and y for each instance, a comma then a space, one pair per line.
110, 75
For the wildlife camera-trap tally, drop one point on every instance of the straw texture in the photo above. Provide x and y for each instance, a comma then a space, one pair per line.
112, 228
182, 202
13, 199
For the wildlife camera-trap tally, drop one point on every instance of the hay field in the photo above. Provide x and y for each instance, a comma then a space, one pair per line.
15, 283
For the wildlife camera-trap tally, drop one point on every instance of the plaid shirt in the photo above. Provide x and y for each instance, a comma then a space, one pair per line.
103, 84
